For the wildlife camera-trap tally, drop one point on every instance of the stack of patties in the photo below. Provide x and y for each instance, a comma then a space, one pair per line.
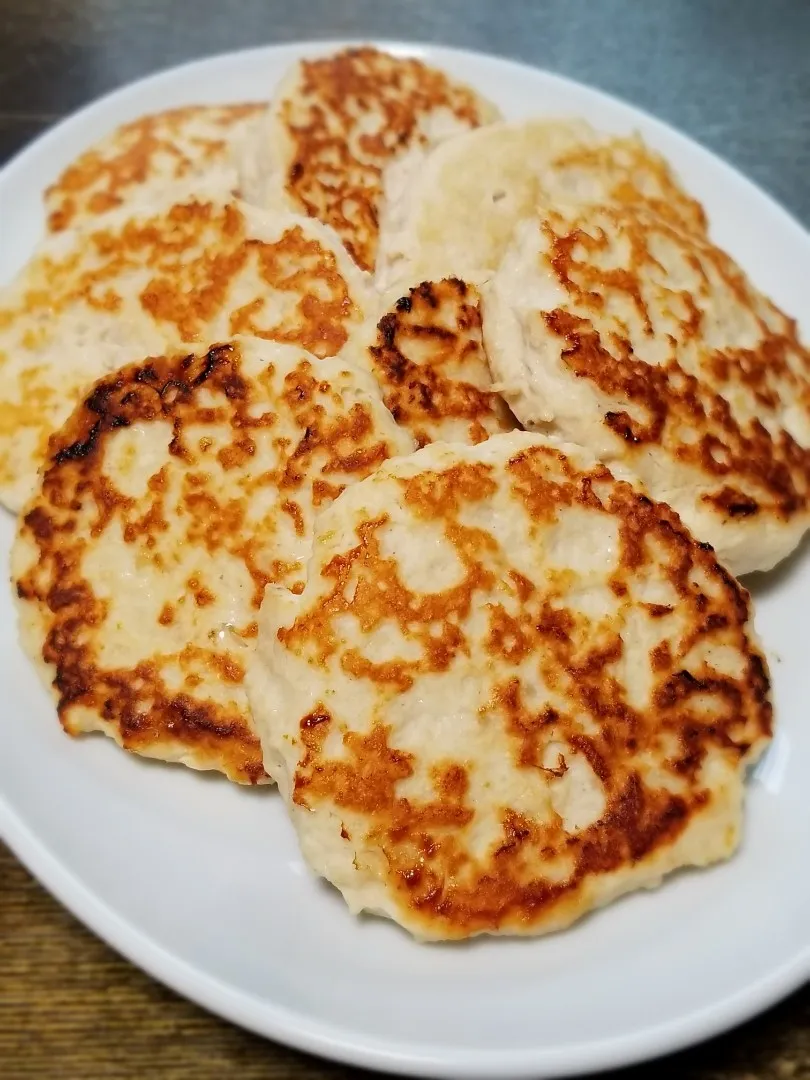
262, 389
175, 269
338, 122
161, 495
610, 319
520, 679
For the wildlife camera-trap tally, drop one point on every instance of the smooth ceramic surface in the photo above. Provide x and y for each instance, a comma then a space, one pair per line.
201, 883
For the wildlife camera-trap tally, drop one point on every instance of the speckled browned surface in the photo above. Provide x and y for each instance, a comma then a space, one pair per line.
733, 73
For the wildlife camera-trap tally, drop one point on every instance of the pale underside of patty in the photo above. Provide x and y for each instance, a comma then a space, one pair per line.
512, 689
336, 121
178, 270
452, 210
426, 352
612, 328
141, 158
173, 495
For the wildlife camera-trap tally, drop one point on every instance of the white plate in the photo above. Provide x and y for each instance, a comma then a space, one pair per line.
201, 883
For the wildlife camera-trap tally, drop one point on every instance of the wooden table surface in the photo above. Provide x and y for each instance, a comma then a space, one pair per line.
734, 73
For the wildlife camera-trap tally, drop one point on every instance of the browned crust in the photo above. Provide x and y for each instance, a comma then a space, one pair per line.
78, 502
336, 168
424, 348
195, 252
629, 160
430, 871
753, 469
137, 146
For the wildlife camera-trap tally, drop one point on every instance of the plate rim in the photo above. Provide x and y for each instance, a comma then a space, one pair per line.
272, 1019
330, 1043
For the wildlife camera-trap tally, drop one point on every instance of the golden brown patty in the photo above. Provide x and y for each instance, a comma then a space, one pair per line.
427, 354
454, 211
512, 689
611, 327
338, 120
176, 270
621, 171
175, 492
197, 141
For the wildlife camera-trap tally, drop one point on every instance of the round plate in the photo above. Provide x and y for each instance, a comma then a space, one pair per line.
201, 883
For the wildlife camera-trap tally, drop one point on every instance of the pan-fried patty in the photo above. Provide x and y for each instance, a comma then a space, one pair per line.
611, 327
427, 354
335, 123
512, 689
172, 495
181, 269
453, 209
139, 159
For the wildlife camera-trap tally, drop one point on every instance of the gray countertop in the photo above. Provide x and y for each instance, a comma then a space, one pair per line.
735, 74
